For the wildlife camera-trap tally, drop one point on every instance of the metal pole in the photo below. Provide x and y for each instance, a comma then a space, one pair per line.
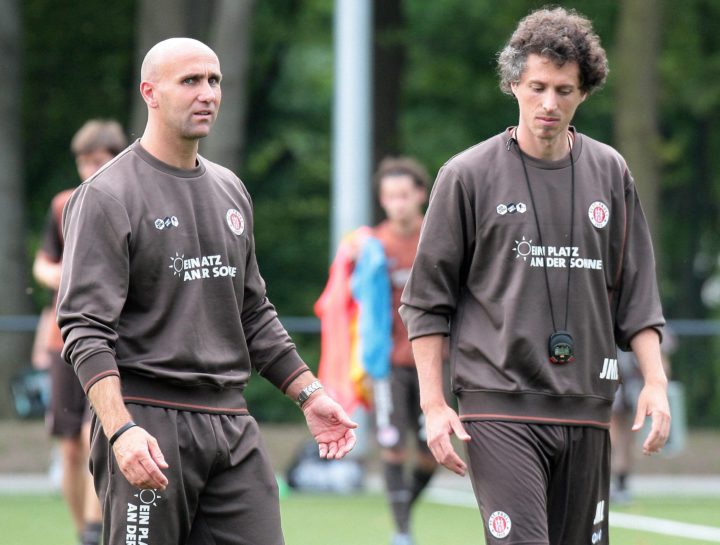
352, 118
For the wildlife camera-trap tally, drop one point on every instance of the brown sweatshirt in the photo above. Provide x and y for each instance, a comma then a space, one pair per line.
160, 286
478, 277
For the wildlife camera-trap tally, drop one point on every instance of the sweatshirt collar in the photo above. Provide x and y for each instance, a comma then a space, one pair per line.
157, 164
544, 164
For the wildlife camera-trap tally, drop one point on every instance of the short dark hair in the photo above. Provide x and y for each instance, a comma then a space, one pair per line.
98, 134
561, 36
402, 166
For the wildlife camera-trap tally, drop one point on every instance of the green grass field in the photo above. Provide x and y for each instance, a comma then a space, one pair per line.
359, 520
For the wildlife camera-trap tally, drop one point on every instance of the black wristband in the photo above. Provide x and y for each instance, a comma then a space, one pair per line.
122, 429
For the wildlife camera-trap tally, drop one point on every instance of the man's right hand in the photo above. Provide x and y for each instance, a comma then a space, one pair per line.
140, 459
440, 424
136, 451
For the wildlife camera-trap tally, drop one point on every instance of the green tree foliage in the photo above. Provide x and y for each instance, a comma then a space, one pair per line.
690, 223
79, 63
288, 150
287, 166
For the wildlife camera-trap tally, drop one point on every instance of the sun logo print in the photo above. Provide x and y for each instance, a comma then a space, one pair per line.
523, 248
148, 497
176, 264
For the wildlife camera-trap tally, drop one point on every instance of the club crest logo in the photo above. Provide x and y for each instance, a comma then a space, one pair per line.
599, 214
235, 221
499, 524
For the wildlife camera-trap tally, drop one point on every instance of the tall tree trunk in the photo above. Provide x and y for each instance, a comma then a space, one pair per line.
388, 66
636, 106
14, 348
230, 38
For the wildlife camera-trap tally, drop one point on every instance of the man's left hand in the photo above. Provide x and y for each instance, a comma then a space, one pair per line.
330, 426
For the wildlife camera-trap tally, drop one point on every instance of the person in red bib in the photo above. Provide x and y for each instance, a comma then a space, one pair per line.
68, 416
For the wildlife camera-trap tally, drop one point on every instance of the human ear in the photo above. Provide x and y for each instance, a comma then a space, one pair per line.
147, 91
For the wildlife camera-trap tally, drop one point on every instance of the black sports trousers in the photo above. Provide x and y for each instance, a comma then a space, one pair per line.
221, 490
540, 484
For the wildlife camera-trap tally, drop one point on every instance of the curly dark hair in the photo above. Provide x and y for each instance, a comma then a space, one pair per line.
402, 166
560, 35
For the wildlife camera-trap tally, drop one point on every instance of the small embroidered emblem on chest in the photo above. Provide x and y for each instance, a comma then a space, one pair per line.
235, 221
511, 208
599, 214
166, 223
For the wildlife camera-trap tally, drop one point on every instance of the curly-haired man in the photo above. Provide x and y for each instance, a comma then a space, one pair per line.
536, 260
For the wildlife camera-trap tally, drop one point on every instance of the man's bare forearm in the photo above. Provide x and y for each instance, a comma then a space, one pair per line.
106, 398
646, 346
428, 353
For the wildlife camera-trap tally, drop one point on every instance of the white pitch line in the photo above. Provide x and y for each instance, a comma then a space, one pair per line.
653, 525
665, 527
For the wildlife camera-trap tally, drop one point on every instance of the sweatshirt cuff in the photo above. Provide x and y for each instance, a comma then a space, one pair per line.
95, 368
421, 324
285, 369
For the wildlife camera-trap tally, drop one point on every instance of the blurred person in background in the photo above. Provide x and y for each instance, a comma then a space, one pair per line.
401, 183
366, 356
68, 417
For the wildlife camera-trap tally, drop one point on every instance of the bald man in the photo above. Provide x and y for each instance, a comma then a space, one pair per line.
164, 315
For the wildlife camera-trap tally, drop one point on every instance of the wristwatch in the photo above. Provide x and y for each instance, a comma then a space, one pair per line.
306, 392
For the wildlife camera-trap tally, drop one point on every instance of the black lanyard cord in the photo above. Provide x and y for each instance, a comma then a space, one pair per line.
540, 237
